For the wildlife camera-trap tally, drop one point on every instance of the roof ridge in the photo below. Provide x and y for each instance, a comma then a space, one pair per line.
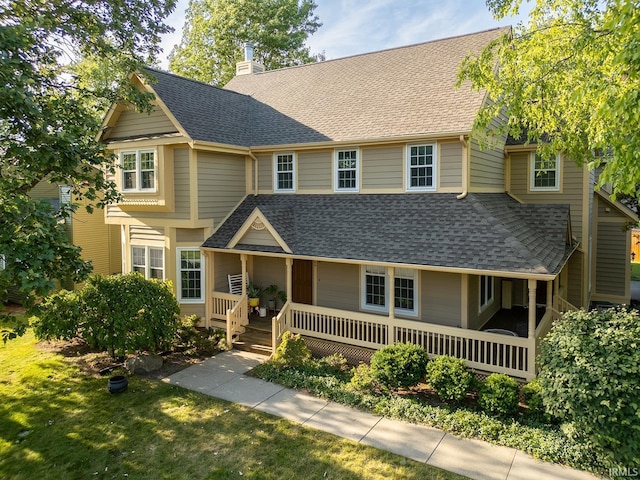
401, 47
192, 80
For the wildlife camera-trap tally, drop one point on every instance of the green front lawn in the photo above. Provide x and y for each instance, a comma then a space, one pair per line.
56, 422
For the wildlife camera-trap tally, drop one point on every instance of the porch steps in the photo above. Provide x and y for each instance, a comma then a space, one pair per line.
255, 339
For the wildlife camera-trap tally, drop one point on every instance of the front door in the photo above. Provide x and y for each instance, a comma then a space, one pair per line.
302, 276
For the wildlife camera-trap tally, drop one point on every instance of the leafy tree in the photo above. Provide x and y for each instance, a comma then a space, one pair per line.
49, 122
216, 30
590, 375
569, 81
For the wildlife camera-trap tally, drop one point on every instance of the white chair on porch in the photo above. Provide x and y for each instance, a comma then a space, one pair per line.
235, 283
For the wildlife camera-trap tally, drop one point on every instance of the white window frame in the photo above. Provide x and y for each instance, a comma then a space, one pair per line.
292, 171
532, 172
337, 170
179, 271
488, 295
434, 168
377, 270
139, 170
147, 260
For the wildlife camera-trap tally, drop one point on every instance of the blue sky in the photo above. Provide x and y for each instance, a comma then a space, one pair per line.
351, 27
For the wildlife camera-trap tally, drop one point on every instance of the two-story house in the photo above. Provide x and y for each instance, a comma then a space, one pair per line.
354, 184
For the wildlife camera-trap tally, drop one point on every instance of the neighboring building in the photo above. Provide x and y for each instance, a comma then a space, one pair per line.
353, 185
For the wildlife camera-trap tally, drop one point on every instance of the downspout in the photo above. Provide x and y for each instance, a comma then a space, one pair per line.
465, 168
255, 173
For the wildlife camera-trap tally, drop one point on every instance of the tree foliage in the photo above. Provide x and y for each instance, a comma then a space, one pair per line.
119, 314
590, 375
569, 80
216, 30
49, 120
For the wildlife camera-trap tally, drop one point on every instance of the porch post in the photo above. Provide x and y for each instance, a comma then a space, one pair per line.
549, 294
209, 285
556, 292
532, 309
531, 360
391, 272
243, 261
289, 263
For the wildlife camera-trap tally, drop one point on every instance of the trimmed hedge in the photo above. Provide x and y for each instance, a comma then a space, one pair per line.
399, 366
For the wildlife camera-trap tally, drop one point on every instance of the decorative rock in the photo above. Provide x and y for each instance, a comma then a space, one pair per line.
142, 364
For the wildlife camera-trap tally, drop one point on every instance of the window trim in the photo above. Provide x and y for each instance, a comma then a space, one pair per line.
336, 170
138, 171
434, 165
397, 310
490, 294
147, 260
293, 172
532, 174
179, 251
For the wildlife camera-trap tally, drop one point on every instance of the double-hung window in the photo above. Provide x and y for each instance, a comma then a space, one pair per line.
421, 167
149, 261
375, 295
284, 172
486, 291
545, 174
346, 171
190, 275
138, 170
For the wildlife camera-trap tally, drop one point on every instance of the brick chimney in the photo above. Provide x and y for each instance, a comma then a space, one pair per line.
248, 66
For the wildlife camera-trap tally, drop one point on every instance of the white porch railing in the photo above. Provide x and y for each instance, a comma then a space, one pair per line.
563, 305
221, 303
280, 324
482, 350
236, 318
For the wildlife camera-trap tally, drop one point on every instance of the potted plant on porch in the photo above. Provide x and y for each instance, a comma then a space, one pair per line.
273, 294
254, 292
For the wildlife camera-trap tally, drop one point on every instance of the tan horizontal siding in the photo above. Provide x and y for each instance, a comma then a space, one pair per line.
314, 170
450, 165
131, 123
269, 271
144, 235
225, 264
611, 259
339, 286
575, 279
181, 174
45, 191
193, 309
382, 167
440, 298
100, 243
265, 173
221, 184
258, 237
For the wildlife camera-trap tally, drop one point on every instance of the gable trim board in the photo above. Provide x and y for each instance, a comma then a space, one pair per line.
253, 221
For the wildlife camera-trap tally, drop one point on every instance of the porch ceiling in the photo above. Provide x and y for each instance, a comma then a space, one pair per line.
491, 232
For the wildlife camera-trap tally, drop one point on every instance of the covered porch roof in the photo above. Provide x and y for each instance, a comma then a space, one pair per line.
482, 232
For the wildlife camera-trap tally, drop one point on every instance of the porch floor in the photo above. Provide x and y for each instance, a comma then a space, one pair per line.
515, 319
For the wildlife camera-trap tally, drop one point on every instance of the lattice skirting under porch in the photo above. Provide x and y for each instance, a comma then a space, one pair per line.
323, 348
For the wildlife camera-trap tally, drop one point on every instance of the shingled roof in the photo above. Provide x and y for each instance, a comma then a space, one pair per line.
387, 94
489, 232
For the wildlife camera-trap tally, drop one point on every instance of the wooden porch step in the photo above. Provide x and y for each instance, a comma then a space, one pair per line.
254, 340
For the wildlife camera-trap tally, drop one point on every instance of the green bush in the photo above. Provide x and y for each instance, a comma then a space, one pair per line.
498, 394
532, 393
196, 341
399, 366
119, 314
449, 377
292, 351
590, 375
362, 380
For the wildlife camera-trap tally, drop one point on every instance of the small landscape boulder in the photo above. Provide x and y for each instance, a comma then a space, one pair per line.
141, 364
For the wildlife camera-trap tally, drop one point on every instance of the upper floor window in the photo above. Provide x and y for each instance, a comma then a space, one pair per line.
486, 291
545, 174
284, 172
138, 170
346, 171
190, 275
421, 167
149, 261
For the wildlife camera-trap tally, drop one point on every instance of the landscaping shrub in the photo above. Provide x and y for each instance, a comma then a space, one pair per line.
194, 341
362, 380
399, 366
590, 376
449, 377
119, 314
532, 393
498, 394
292, 351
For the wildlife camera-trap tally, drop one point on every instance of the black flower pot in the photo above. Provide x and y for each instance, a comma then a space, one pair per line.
118, 384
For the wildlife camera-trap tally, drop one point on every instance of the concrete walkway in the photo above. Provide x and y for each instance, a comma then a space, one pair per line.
223, 376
